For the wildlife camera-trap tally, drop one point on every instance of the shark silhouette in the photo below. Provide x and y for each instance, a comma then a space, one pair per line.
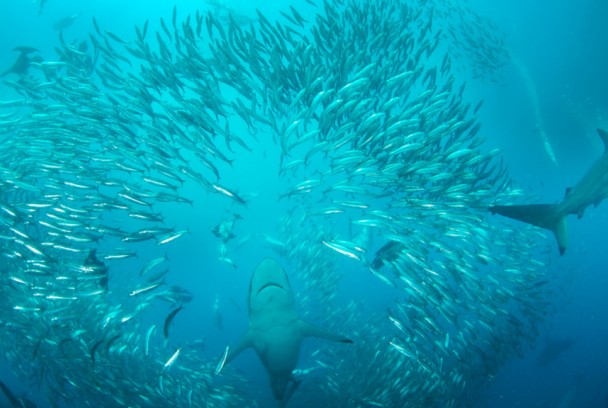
23, 62
275, 330
16, 402
552, 350
591, 189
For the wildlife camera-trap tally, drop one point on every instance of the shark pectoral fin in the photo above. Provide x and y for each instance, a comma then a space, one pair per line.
308, 329
245, 343
542, 215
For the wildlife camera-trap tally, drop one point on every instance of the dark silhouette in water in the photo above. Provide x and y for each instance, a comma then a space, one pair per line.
225, 232
552, 350
42, 3
100, 268
16, 402
388, 253
22, 64
77, 57
225, 229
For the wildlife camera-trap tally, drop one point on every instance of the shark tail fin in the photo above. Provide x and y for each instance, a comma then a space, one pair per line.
289, 391
542, 215
308, 329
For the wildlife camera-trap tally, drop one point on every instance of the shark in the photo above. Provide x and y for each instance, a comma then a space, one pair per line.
591, 189
275, 330
552, 350
16, 402
23, 62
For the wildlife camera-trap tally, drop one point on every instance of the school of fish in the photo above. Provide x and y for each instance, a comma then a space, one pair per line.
383, 172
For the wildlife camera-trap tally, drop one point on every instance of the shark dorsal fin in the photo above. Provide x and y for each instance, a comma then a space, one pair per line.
604, 135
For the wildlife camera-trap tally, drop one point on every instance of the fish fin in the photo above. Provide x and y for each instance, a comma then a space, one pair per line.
289, 390
245, 343
560, 230
568, 190
604, 135
542, 215
308, 329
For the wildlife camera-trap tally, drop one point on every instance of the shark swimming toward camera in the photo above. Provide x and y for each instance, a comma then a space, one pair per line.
591, 189
275, 330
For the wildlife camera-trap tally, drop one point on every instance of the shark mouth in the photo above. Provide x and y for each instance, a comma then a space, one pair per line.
269, 285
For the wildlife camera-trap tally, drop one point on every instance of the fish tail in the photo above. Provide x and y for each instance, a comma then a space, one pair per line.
545, 216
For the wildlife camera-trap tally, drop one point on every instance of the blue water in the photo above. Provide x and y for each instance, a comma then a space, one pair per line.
560, 48
560, 44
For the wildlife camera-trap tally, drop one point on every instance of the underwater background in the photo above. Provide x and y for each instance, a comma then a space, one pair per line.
336, 137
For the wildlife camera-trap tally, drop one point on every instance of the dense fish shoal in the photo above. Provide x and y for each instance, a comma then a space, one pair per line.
381, 169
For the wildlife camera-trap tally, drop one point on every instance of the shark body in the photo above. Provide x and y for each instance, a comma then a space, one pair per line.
591, 189
23, 62
552, 350
275, 330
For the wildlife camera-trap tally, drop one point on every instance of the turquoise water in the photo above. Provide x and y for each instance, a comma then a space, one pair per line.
184, 167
